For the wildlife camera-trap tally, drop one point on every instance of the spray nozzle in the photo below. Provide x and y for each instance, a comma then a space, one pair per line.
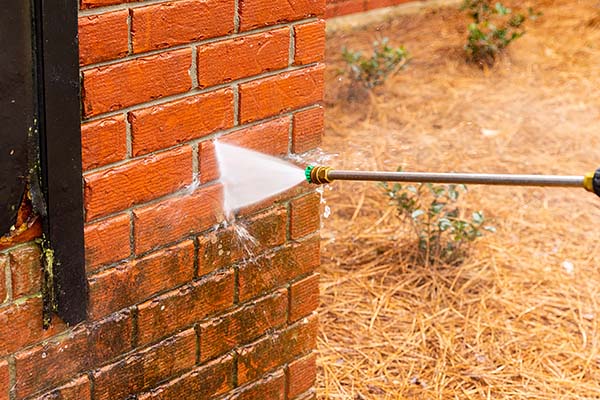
317, 174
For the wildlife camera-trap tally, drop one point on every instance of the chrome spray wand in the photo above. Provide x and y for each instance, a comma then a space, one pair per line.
590, 181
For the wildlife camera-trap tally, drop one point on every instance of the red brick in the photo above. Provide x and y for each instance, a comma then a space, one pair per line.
183, 307
302, 374
103, 142
270, 137
220, 62
26, 271
138, 280
143, 370
101, 3
304, 297
120, 85
103, 37
274, 270
344, 8
226, 247
3, 271
179, 121
205, 382
46, 365
308, 129
280, 93
310, 395
242, 326
26, 319
305, 215
176, 218
77, 389
371, 4
4, 380
137, 181
169, 24
107, 241
276, 349
270, 388
309, 43
258, 13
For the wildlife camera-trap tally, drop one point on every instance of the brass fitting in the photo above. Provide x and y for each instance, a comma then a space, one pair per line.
319, 175
588, 182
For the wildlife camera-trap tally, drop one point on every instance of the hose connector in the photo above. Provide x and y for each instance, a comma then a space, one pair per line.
317, 174
591, 182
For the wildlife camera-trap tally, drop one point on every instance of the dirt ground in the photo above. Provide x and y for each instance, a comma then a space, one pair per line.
520, 318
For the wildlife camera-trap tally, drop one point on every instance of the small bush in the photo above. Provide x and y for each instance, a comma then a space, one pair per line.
443, 234
373, 71
492, 29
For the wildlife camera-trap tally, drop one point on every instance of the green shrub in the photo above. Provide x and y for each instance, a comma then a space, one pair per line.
443, 234
373, 71
492, 29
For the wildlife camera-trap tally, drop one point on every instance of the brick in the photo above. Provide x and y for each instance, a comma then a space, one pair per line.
308, 130
138, 181
276, 350
270, 137
26, 271
4, 380
101, 3
145, 369
103, 37
280, 93
310, 395
146, 78
304, 297
259, 13
4, 269
204, 382
168, 124
24, 318
227, 246
169, 24
302, 374
344, 8
270, 388
78, 389
262, 52
172, 219
103, 142
138, 280
372, 4
274, 270
309, 44
107, 241
305, 215
242, 326
183, 307
46, 365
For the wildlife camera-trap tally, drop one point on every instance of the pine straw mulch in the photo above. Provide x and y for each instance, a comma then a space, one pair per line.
520, 317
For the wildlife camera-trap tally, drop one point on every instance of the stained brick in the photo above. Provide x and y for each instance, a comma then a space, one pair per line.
204, 382
49, 364
344, 8
168, 24
107, 241
309, 42
4, 380
305, 215
219, 62
302, 374
270, 388
103, 37
138, 181
244, 325
304, 297
26, 271
372, 4
143, 370
280, 93
144, 79
103, 142
277, 349
257, 13
138, 280
3, 270
260, 275
179, 121
308, 129
101, 3
77, 389
183, 307
175, 218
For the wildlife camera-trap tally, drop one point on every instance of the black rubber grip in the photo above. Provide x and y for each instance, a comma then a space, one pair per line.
596, 182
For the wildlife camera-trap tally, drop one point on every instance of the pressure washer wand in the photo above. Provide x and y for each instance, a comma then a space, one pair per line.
321, 175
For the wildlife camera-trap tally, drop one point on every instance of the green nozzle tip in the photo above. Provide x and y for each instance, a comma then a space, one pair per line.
307, 172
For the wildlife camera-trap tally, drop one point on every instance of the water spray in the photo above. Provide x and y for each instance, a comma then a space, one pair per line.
322, 175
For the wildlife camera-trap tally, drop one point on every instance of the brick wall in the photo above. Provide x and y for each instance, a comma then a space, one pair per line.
175, 311
337, 8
